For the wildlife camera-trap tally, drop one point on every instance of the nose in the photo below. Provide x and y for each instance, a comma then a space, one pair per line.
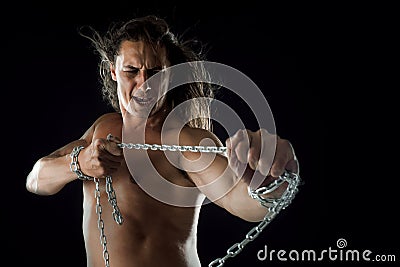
142, 81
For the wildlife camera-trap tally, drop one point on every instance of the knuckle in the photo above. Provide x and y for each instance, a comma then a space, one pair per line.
284, 141
254, 154
241, 147
266, 162
248, 132
97, 142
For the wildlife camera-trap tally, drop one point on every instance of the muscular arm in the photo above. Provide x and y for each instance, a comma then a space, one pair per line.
99, 158
214, 176
52, 172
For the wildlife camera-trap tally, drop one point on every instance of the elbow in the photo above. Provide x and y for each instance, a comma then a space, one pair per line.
33, 181
252, 214
254, 218
247, 209
32, 187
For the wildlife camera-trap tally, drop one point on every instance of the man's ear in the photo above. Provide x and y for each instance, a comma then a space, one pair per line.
112, 71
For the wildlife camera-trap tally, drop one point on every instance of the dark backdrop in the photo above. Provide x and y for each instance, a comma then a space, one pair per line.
51, 73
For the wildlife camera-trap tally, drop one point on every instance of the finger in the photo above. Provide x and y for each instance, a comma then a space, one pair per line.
241, 149
113, 149
268, 145
284, 153
110, 161
278, 167
264, 165
293, 165
108, 149
232, 142
238, 167
253, 155
113, 138
106, 163
228, 145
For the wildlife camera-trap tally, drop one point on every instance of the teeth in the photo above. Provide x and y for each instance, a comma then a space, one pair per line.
142, 100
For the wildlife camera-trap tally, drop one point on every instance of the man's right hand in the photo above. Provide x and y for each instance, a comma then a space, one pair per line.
102, 157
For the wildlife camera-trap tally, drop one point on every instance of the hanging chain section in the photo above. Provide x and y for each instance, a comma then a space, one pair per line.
99, 210
100, 223
273, 205
112, 199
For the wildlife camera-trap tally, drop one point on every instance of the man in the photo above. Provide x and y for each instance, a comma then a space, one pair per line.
139, 223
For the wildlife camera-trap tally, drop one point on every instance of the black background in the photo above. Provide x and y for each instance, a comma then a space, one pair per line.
293, 53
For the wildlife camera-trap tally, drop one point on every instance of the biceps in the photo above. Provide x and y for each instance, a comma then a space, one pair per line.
85, 140
67, 148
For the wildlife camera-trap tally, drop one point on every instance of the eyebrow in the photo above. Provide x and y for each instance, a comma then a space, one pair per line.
133, 67
130, 67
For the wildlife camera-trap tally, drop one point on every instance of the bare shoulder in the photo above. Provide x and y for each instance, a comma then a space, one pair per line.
103, 125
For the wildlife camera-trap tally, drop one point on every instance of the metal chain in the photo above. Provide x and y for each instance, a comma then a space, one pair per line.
100, 223
99, 210
274, 206
210, 149
112, 199
74, 166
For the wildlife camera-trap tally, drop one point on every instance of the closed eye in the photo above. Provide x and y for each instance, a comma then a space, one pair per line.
132, 70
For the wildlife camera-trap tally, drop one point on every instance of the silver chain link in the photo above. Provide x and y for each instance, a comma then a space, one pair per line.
112, 199
99, 210
100, 224
210, 149
274, 205
74, 166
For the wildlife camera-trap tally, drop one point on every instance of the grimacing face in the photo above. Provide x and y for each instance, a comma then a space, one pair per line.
135, 64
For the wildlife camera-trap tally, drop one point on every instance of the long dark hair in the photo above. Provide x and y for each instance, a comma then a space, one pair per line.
156, 32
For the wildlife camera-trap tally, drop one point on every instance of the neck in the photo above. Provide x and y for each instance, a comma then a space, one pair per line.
153, 122
156, 120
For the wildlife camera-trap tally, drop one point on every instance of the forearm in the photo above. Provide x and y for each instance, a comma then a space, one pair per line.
222, 186
239, 203
50, 175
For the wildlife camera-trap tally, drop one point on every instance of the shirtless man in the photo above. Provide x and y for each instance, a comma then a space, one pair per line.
153, 233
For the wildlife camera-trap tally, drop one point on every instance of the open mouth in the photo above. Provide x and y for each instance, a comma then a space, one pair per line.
143, 100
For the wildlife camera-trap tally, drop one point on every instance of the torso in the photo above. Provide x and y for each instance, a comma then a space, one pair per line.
153, 233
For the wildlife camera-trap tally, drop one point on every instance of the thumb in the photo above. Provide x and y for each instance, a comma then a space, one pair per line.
113, 147
113, 138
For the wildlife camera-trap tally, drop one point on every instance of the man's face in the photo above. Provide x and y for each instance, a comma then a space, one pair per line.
135, 64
